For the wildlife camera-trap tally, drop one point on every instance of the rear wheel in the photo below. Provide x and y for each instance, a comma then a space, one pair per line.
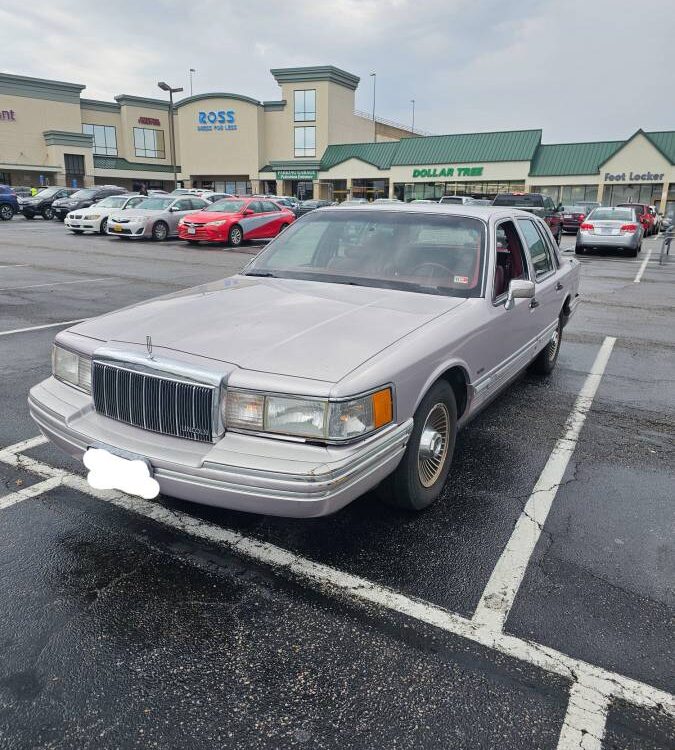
282, 227
6, 212
48, 213
632, 252
579, 250
160, 231
418, 480
235, 236
548, 356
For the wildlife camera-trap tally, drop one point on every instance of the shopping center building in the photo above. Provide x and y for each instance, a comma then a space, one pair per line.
310, 142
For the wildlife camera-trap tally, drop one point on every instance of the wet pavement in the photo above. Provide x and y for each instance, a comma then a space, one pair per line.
118, 631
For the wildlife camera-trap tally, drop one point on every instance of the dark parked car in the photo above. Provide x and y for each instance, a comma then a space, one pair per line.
84, 198
573, 216
41, 204
310, 205
538, 204
9, 204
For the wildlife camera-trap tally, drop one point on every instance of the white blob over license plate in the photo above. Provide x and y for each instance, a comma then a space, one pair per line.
110, 472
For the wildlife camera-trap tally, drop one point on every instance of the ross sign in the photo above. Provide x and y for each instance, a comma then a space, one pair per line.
447, 172
634, 177
297, 174
7, 115
149, 121
221, 120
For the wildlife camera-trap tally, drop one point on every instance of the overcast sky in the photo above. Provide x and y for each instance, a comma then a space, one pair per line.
579, 69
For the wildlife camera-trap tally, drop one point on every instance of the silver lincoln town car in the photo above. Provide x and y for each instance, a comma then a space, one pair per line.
342, 359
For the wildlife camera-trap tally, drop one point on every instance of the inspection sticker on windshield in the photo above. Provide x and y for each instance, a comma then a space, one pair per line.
461, 279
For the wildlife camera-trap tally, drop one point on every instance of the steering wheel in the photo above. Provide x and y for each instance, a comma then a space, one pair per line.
430, 270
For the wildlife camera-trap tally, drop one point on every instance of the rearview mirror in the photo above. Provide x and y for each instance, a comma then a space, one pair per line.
519, 289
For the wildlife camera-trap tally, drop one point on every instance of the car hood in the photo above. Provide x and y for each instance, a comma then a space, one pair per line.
136, 213
204, 216
289, 327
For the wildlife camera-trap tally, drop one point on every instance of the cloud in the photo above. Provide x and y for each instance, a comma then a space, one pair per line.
578, 70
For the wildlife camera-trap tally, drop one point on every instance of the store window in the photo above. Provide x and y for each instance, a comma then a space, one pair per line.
632, 193
74, 164
105, 138
305, 105
305, 141
149, 143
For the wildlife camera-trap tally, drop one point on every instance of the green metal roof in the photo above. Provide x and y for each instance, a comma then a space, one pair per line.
560, 159
462, 148
117, 162
379, 155
664, 141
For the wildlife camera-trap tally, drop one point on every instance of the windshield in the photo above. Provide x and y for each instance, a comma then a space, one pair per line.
394, 250
524, 199
48, 192
612, 214
226, 207
155, 204
310, 204
82, 195
113, 201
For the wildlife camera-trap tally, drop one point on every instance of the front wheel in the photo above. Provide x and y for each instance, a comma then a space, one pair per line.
548, 356
235, 236
418, 480
103, 229
48, 213
6, 212
160, 231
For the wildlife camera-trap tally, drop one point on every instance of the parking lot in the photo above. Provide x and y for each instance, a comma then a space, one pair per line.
532, 607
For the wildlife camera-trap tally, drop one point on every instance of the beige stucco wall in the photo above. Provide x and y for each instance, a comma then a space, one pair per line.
639, 156
125, 134
344, 126
226, 152
22, 140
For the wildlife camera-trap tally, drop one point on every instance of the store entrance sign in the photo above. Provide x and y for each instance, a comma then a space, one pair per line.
434, 172
219, 120
7, 115
296, 174
634, 177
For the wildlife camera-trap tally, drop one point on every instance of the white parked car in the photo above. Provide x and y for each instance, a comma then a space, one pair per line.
95, 218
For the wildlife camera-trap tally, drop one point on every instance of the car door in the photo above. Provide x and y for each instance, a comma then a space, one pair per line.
181, 208
253, 220
275, 218
549, 290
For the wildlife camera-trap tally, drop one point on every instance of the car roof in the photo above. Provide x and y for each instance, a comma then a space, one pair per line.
469, 210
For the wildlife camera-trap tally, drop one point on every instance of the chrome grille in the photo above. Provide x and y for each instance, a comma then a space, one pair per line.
171, 407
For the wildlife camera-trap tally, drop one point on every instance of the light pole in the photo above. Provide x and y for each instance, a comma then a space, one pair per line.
165, 87
412, 129
374, 77
192, 70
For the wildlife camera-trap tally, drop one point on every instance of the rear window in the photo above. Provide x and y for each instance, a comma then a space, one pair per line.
612, 214
524, 199
575, 209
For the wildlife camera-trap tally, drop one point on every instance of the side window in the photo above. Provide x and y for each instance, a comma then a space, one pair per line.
270, 207
255, 207
539, 251
134, 201
510, 262
183, 205
545, 232
197, 203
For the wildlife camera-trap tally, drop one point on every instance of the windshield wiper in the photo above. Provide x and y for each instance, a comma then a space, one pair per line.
266, 274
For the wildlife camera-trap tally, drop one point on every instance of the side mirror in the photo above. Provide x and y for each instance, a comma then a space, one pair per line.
518, 289
247, 212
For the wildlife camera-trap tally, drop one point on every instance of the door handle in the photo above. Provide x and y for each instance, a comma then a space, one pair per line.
558, 287
533, 304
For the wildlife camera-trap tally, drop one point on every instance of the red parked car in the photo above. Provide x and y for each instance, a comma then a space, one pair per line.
645, 216
234, 220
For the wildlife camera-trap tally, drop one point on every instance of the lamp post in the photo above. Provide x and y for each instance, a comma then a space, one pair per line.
165, 87
412, 129
192, 71
374, 77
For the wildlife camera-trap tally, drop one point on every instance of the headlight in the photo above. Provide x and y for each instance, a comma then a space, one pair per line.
92, 217
314, 419
71, 368
181, 222
216, 223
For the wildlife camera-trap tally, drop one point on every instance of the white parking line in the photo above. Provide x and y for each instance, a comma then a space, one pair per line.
638, 276
32, 491
15, 265
55, 283
592, 687
40, 328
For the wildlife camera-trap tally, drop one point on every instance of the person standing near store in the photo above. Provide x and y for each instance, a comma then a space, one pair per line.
143, 190
33, 191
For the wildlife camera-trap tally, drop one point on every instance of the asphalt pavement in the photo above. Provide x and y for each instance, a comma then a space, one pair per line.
134, 624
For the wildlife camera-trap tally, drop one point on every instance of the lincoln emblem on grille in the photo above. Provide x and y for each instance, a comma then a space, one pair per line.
148, 346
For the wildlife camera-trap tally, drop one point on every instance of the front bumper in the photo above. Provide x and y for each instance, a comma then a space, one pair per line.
625, 241
241, 472
204, 233
135, 229
84, 225
61, 213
